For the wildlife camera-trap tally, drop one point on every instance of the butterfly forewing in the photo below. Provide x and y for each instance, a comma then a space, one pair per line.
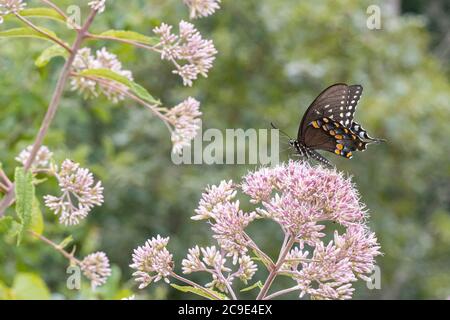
338, 102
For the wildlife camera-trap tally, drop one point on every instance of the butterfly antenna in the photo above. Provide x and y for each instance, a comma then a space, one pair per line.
273, 126
377, 140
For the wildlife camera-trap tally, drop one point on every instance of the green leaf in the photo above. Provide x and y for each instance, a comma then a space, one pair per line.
37, 220
253, 286
29, 286
200, 292
6, 224
140, 91
9, 227
131, 35
24, 189
48, 13
27, 33
50, 53
68, 240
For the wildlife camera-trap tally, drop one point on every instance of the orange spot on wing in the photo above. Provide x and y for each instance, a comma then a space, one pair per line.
339, 146
337, 151
338, 136
315, 124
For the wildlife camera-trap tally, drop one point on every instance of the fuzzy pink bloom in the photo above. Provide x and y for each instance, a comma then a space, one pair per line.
227, 220
212, 197
98, 5
202, 8
188, 51
303, 200
325, 193
211, 260
79, 193
185, 119
152, 261
331, 269
300, 198
96, 268
228, 226
42, 160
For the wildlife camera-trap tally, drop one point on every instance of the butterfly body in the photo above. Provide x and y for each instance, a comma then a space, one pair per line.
328, 125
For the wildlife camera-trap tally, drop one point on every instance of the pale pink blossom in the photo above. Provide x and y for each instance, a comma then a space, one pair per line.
247, 269
79, 193
96, 268
325, 193
202, 8
185, 119
193, 262
152, 262
42, 160
212, 197
188, 51
98, 5
302, 200
228, 225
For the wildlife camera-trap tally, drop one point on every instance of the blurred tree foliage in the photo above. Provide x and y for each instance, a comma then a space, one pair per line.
274, 58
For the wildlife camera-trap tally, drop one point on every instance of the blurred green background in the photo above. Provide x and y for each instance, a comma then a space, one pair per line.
274, 58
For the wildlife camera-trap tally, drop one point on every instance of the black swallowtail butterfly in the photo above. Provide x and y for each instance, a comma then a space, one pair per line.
328, 125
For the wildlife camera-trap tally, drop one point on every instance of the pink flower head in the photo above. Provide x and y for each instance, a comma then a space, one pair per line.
79, 193
188, 51
185, 119
326, 194
202, 8
228, 226
212, 197
152, 261
96, 268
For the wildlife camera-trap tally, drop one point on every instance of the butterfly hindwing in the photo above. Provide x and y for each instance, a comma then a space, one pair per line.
327, 134
362, 133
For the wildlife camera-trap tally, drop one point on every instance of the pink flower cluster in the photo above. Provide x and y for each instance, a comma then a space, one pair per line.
79, 193
303, 200
187, 47
202, 8
185, 120
152, 262
96, 268
297, 193
98, 5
